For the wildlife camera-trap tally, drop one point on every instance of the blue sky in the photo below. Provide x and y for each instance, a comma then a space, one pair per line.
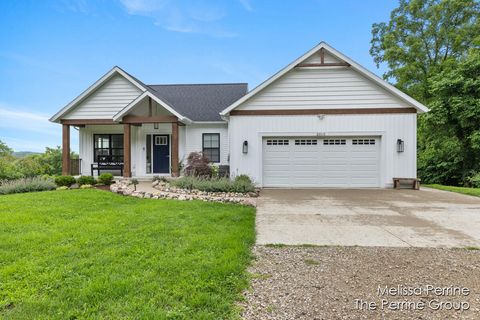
50, 51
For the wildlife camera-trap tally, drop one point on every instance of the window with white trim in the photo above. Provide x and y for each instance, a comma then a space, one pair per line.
277, 142
334, 141
306, 142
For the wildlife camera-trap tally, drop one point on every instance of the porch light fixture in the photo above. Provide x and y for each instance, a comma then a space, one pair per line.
245, 146
400, 145
155, 125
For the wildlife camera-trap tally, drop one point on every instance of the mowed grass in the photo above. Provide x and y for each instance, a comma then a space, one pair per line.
463, 190
91, 254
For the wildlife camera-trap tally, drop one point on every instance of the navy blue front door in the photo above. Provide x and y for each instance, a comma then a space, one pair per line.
161, 154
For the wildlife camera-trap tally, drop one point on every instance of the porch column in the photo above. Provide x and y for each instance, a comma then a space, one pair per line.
65, 149
175, 171
127, 155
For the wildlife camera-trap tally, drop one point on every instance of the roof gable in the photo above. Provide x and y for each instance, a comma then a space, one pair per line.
115, 74
325, 54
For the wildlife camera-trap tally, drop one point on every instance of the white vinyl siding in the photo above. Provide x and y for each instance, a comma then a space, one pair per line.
107, 100
193, 141
322, 88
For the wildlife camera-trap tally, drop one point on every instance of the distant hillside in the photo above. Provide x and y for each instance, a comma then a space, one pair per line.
22, 154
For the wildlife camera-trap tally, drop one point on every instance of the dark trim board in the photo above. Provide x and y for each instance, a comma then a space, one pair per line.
293, 112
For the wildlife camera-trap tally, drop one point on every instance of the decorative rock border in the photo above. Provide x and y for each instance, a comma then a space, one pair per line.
165, 191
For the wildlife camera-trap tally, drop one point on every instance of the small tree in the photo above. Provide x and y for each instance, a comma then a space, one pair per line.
198, 165
134, 182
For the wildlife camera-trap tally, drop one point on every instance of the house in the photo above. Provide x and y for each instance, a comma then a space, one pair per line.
322, 121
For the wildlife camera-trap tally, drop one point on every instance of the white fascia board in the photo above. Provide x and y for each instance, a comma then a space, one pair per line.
131, 105
382, 83
89, 90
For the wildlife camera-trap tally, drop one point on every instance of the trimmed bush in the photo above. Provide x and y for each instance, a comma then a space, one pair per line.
66, 181
62, 188
243, 178
106, 178
86, 186
198, 165
213, 185
26, 185
82, 180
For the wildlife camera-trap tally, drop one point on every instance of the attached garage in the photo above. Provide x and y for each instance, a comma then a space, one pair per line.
324, 121
339, 162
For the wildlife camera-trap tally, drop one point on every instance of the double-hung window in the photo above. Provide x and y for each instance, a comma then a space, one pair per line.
108, 148
211, 146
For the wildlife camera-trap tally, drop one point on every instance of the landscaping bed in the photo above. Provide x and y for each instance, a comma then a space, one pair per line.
87, 254
166, 189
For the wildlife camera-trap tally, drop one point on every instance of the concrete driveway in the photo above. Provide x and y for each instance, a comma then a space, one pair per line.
368, 217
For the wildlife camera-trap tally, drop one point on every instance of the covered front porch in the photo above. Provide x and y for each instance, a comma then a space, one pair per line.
142, 143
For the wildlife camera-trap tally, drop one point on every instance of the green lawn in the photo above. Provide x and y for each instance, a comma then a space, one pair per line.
469, 191
82, 254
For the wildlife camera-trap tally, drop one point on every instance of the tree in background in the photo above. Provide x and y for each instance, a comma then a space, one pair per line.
451, 130
422, 38
4, 149
429, 48
47, 163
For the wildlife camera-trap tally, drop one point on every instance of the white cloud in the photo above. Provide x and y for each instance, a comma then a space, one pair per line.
246, 4
31, 131
13, 118
186, 16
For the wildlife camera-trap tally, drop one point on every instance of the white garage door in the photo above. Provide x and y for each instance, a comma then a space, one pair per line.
342, 162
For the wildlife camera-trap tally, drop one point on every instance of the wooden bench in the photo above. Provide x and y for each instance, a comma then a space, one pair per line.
415, 183
107, 163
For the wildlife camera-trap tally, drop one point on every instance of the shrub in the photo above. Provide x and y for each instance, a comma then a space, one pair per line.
134, 182
474, 180
213, 185
198, 165
26, 185
86, 186
243, 178
82, 180
62, 188
106, 178
215, 170
160, 178
64, 181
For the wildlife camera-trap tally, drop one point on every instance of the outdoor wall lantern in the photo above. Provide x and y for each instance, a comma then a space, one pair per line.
245, 146
400, 145
155, 125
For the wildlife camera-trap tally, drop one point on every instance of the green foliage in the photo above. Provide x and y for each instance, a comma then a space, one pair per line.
66, 181
213, 184
31, 165
4, 149
88, 254
62, 188
106, 179
160, 178
431, 48
474, 180
468, 191
243, 178
214, 169
449, 142
26, 185
82, 180
422, 38
86, 186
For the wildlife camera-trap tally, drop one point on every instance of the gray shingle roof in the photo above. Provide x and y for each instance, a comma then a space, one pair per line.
199, 102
